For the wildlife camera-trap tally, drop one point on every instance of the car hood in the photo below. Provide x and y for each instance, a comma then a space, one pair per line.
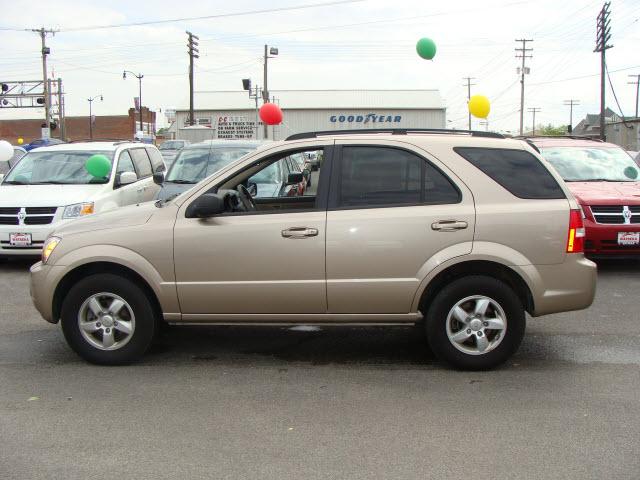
168, 189
121, 217
606, 193
47, 195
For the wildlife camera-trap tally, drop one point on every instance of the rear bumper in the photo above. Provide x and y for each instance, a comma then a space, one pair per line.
563, 287
602, 240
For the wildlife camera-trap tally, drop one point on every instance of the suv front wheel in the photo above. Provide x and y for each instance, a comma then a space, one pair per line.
475, 323
107, 319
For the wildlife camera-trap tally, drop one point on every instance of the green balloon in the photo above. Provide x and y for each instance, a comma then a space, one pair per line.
98, 165
426, 48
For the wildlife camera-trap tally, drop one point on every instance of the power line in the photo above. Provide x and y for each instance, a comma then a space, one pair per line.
534, 110
571, 103
524, 70
468, 85
603, 36
616, 98
637, 84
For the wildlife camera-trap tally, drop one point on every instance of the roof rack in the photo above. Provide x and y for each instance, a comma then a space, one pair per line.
574, 137
90, 140
394, 131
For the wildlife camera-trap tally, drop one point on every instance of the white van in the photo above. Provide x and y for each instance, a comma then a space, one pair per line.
51, 186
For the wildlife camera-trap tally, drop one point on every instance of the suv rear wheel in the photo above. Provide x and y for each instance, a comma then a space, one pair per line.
475, 323
108, 319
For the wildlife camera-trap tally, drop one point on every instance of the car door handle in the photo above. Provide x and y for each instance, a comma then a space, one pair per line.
299, 232
449, 225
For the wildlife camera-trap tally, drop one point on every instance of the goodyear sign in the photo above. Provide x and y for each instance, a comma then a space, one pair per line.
368, 118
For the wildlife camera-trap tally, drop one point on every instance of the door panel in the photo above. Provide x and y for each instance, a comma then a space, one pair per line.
244, 264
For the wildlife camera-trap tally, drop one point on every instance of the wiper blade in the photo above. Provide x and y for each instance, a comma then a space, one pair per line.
181, 181
14, 182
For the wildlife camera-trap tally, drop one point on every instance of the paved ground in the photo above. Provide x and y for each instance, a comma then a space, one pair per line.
243, 403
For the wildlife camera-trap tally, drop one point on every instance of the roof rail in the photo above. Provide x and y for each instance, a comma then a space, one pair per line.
574, 137
394, 131
89, 140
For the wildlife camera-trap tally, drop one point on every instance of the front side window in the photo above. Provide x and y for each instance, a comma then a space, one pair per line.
125, 164
195, 164
142, 162
55, 167
592, 164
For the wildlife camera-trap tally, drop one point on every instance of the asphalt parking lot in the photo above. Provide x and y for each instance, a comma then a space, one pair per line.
276, 403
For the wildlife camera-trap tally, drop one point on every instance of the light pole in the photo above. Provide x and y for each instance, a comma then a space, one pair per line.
139, 77
90, 100
265, 91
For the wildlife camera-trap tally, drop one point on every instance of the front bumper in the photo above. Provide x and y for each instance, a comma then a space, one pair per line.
602, 239
43, 282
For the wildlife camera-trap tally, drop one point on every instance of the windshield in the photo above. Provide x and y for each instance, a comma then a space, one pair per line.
271, 174
55, 167
584, 164
194, 164
171, 145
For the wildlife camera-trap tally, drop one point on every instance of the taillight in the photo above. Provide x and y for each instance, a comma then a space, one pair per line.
575, 242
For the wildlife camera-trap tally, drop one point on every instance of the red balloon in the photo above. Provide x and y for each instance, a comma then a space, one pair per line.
271, 114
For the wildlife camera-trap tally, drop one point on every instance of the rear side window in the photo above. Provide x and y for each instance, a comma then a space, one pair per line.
141, 159
517, 171
383, 176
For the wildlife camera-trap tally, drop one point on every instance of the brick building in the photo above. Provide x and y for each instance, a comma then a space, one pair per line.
116, 127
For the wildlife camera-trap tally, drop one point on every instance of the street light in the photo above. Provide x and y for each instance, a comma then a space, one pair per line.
90, 100
139, 77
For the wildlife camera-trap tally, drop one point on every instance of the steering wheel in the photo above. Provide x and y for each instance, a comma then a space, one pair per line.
246, 198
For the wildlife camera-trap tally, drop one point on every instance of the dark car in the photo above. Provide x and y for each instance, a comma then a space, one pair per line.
197, 161
42, 142
170, 150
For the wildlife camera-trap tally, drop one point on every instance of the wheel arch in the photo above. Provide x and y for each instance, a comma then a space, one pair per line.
87, 269
477, 267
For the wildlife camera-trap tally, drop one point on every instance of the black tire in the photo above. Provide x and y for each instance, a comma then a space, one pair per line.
145, 322
460, 289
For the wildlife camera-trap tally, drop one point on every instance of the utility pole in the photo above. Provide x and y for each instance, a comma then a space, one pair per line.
193, 53
468, 79
571, 103
603, 35
45, 51
534, 110
637, 84
90, 100
523, 70
265, 91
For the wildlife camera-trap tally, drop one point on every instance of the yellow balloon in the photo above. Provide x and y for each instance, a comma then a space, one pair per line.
20, 141
479, 106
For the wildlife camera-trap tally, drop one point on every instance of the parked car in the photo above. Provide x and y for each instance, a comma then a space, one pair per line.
42, 142
464, 232
199, 160
304, 164
5, 166
170, 150
50, 186
606, 183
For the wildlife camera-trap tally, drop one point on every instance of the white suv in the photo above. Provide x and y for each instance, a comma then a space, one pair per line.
51, 185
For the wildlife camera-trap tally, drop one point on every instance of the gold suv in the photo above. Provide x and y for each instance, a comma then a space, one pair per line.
462, 232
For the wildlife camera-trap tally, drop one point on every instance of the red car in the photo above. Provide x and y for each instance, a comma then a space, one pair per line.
605, 181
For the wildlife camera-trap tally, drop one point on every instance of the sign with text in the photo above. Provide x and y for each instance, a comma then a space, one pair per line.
235, 127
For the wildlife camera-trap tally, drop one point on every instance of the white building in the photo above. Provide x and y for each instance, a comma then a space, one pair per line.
233, 114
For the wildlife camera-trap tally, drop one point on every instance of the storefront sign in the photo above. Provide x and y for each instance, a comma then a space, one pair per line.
235, 127
369, 118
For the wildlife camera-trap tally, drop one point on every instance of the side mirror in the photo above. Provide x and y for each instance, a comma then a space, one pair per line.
126, 178
205, 206
306, 172
253, 189
294, 178
158, 178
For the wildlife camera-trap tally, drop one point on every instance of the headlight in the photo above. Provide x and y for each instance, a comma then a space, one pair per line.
78, 210
49, 246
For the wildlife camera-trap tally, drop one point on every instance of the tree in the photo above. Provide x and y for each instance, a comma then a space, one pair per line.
550, 130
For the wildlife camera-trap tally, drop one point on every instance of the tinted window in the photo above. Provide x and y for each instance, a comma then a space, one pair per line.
125, 164
141, 159
518, 171
156, 160
376, 176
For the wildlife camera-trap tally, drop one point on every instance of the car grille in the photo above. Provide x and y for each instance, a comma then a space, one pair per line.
616, 214
33, 215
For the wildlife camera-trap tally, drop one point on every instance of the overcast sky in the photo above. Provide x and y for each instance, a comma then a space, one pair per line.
368, 44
